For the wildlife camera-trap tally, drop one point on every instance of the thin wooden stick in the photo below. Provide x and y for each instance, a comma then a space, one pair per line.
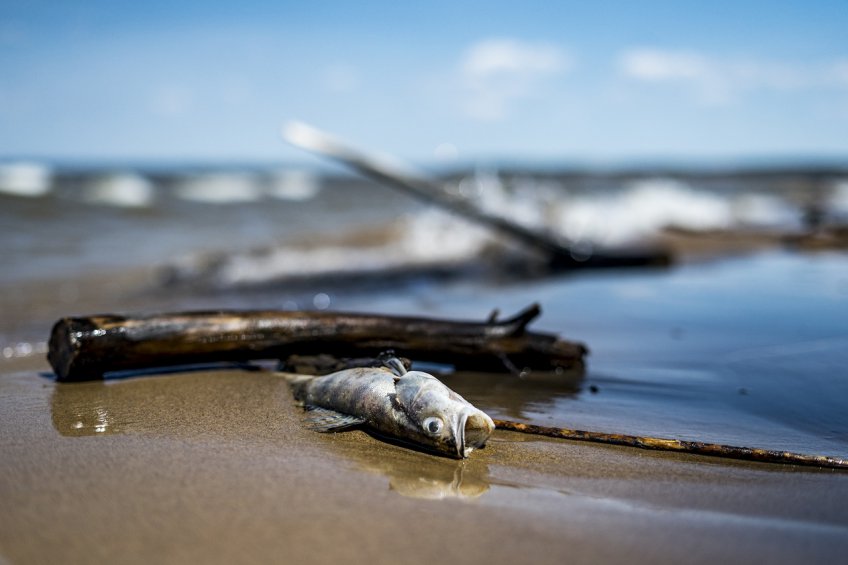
681, 446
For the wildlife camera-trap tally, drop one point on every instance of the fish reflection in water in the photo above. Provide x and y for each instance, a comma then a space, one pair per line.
417, 475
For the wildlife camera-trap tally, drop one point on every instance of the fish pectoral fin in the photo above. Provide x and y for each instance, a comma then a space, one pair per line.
324, 420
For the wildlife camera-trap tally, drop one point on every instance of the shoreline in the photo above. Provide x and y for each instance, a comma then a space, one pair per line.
215, 466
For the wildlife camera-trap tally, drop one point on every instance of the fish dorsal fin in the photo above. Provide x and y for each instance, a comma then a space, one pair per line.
391, 362
324, 420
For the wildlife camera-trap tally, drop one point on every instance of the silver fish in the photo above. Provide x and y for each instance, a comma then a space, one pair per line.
414, 407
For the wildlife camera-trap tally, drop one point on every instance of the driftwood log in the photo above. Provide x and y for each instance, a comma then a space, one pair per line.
87, 348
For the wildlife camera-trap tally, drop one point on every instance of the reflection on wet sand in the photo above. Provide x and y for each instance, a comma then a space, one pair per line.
176, 405
89, 409
417, 475
224, 403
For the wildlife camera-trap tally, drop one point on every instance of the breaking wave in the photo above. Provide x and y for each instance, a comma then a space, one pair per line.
25, 179
645, 207
252, 226
427, 239
127, 190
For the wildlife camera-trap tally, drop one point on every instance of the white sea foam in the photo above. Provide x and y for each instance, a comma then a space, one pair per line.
221, 188
126, 190
838, 201
640, 209
645, 207
25, 179
414, 241
434, 234
294, 185
522, 203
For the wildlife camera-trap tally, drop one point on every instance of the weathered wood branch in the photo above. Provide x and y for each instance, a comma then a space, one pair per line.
681, 446
561, 254
86, 348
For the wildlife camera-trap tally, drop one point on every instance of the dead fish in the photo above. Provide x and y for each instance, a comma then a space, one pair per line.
413, 407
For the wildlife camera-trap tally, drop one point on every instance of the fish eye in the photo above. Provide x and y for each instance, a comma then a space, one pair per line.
433, 425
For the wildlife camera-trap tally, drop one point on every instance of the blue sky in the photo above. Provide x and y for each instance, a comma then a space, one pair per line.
602, 81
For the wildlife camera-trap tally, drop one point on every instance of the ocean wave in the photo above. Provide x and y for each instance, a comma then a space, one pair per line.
220, 188
25, 179
430, 238
241, 187
642, 209
837, 204
296, 185
125, 190
639, 209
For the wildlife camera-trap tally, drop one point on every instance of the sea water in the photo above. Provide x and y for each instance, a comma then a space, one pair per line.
744, 350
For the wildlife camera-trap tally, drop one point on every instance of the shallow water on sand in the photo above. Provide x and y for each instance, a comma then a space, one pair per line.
746, 352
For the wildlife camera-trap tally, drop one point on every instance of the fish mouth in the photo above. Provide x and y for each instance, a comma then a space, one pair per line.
473, 429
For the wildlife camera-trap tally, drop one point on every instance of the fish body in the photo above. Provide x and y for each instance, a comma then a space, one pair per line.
415, 407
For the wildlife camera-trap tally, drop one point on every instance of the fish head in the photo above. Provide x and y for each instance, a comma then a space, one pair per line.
439, 418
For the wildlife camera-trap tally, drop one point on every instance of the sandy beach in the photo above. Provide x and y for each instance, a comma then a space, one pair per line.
216, 467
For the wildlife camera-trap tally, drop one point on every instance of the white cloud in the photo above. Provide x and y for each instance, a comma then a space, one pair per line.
493, 56
496, 72
720, 81
656, 65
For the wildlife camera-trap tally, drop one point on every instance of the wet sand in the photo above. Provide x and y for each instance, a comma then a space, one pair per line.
215, 467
